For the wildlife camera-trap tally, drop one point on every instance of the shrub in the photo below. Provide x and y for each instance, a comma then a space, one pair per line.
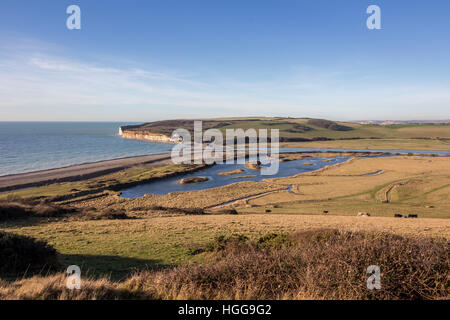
325, 264
46, 210
274, 240
54, 288
10, 211
20, 254
112, 214
221, 242
185, 211
193, 211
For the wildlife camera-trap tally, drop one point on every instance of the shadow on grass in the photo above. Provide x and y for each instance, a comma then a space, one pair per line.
95, 266
114, 267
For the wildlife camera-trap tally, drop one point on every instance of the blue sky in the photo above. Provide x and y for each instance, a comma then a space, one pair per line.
148, 60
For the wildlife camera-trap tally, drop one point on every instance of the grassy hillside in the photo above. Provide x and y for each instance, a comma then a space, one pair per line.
304, 129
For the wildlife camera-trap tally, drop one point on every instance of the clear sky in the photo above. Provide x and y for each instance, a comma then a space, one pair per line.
147, 60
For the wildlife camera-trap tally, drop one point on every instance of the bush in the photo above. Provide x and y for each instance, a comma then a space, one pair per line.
325, 264
185, 211
112, 214
326, 124
19, 210
274, 240
47, 211
221, 242
20, 254
10, 211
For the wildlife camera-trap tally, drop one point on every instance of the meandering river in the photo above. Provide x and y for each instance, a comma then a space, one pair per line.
287, 169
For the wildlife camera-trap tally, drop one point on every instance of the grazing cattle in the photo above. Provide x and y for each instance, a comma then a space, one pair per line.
325, 211
397, 215
268, 211
412, 216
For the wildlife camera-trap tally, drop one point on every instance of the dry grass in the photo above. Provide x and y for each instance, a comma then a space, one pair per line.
406, 183
193, 180
53, 288
190, 199
349, 178
230, 173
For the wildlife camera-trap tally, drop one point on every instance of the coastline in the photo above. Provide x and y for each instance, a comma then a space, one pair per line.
76, 172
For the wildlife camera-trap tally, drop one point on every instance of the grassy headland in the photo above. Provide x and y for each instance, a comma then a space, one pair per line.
317, 133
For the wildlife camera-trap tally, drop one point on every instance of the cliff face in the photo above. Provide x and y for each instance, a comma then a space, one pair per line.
144, 135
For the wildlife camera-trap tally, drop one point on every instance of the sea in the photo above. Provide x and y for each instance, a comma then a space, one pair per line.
34, 146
